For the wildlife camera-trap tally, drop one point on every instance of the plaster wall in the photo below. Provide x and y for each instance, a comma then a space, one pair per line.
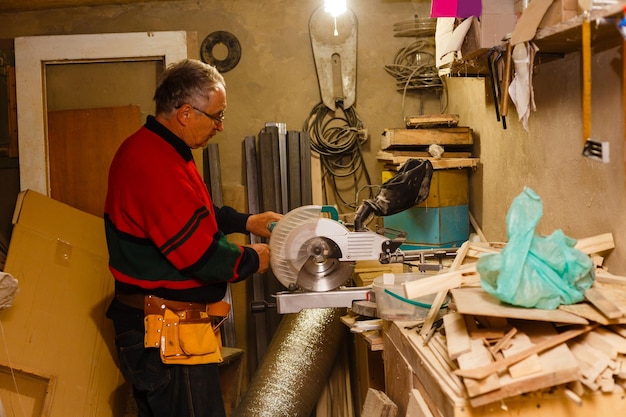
276, 81
582, 197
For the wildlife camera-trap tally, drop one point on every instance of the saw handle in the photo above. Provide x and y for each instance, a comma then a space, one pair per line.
332, 210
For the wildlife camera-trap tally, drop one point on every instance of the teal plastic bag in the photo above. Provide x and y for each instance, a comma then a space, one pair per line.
531, 270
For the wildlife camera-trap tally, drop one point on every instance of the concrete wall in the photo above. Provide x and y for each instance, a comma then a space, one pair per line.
276, 81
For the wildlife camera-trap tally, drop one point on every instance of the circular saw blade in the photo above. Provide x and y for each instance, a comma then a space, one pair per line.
300, 257
322, 270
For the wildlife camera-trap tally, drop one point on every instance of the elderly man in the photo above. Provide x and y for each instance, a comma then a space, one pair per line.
167, 244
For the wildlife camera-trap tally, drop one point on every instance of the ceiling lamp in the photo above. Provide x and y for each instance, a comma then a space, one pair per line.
335, 7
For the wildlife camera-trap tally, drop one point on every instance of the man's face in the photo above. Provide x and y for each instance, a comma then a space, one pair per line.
208, 121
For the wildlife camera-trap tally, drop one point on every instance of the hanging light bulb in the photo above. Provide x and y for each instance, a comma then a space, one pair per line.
335, 8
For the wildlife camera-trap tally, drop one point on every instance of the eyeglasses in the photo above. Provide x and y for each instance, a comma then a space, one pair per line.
217, 119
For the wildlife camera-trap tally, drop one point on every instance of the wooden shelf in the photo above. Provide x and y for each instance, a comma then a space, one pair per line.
556, 41
566, 37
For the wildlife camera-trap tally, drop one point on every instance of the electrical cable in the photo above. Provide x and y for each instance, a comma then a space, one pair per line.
414, 66
335, 136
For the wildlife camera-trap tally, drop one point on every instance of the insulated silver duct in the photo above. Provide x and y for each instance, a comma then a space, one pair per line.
296, 365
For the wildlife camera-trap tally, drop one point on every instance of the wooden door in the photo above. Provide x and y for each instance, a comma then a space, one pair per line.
81, 146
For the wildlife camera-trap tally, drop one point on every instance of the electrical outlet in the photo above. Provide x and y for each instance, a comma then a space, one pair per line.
596, 150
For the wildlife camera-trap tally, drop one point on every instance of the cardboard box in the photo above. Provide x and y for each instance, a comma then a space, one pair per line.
559, 11
497, 20
57, 327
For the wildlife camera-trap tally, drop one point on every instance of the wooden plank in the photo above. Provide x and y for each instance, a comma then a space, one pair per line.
558, 364
590, 313
440, 367
466, 275
455, 153
596, 244
596, 297
476, 301
500, 365
438, 163
606, 277
433, 313
432, 120
614, 293
457, 339
417, 406
478, 358
612, 339
459, 135
378, 404
527, 366
591, 361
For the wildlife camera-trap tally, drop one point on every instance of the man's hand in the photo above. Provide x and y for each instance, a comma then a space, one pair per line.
263, 250
259, 224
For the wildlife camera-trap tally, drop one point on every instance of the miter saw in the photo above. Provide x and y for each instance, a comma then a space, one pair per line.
313, 253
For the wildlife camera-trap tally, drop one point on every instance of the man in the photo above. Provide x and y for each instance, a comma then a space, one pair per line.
167, 239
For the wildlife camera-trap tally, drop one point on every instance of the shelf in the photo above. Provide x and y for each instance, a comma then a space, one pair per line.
566, 37
556, 41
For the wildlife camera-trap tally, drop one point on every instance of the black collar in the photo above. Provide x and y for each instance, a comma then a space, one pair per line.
181, 147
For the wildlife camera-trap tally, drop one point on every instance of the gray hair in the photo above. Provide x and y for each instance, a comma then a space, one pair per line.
183, 82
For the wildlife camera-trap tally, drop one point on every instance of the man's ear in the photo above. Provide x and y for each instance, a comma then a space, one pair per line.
182, 114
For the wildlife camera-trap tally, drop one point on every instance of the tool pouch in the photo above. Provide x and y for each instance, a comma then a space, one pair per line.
185, 333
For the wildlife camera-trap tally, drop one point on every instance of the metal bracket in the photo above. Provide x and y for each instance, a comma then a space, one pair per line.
334, 50
293, 302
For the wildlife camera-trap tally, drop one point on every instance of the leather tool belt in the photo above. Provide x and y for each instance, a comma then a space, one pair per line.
186, 333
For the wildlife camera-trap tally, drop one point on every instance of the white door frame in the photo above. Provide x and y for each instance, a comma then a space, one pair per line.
33, 53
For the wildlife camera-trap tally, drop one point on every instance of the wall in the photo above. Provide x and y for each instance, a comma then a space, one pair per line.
580, 196
276, 81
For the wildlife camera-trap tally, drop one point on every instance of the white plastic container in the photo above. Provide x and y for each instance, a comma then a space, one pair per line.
398, 307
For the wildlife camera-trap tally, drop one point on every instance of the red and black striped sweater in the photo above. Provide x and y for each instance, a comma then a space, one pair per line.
165, 237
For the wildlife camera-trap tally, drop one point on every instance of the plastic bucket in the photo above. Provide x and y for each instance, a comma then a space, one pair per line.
390, 300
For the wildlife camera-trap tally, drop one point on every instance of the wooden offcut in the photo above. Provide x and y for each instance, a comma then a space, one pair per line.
431, 120
395, 159
377, 404
394, 138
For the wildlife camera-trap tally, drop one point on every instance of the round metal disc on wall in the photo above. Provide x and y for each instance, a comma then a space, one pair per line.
221, 38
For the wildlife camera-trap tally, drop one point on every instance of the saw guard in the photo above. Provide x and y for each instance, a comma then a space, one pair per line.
291, 256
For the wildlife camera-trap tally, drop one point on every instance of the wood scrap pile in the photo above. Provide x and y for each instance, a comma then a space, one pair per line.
488, 351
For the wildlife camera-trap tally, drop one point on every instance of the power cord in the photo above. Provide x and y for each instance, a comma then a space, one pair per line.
337, 136
414, 68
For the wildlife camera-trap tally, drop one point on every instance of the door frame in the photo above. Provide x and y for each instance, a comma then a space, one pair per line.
33, 53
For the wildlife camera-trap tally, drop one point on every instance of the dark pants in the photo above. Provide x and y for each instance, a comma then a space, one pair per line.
162, 390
